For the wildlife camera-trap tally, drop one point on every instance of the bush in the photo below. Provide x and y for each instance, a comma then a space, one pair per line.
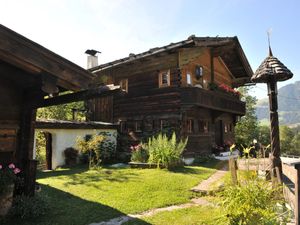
164, 151
71, 155
251, 203
91, 147
25, 207
139, 154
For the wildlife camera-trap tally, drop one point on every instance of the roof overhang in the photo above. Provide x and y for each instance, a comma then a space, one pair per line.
34, 59
228, 48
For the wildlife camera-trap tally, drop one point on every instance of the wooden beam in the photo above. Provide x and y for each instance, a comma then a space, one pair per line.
34, 58
212, 68
102, 91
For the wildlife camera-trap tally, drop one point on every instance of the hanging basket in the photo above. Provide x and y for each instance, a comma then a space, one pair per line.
6, 200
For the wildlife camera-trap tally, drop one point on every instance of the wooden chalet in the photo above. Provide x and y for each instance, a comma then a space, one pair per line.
186, 85
28, 73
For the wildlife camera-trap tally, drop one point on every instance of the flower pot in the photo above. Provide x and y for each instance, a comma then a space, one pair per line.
6, 200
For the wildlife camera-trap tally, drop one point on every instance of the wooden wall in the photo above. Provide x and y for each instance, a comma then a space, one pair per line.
191, 57
144, 96
146, 101
10, 100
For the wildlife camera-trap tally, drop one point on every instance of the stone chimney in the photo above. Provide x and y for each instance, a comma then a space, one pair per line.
92, 59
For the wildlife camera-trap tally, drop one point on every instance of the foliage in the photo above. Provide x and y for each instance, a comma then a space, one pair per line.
107, 147
264, 134
165, 151
139, 153
25, 207
247, 128
71, 155
296, 144
62, 112
286, 137
40, 149
250, 203
8, 176
91, 147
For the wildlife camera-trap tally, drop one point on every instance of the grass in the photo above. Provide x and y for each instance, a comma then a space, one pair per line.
201, 215
79, 196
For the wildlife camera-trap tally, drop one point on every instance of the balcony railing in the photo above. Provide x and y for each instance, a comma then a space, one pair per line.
216, 100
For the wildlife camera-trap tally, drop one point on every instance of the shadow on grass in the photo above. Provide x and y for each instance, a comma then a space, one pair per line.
91, 179
67, 209
62, 172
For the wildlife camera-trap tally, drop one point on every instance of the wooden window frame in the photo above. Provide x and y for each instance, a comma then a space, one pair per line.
203, 126
160, 78
138, 128
123, 126
122, 83
190, 126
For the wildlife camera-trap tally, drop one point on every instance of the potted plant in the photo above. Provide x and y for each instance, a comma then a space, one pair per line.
8, 176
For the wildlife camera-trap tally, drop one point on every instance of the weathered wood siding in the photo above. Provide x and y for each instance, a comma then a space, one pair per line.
191, 57
10, 99
144, 96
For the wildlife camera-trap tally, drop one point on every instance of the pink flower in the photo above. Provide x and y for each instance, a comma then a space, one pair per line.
1, 166
17, 170
11, 166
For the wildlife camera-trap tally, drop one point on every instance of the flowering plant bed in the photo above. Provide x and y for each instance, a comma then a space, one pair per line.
8, 176
228, 89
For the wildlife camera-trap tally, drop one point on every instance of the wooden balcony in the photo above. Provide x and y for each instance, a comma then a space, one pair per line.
215, 100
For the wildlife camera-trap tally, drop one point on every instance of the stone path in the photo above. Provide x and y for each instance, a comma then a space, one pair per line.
204, 186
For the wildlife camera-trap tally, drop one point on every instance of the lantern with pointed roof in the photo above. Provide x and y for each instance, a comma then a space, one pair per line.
270, 71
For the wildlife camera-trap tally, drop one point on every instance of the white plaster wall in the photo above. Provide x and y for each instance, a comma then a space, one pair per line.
64, 138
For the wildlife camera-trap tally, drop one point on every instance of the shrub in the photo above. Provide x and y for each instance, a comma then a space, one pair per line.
71, 155
91, 147
139, 153
164, 151
25, 207
251, 203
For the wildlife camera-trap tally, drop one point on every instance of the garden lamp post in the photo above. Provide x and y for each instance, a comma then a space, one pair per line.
270, 71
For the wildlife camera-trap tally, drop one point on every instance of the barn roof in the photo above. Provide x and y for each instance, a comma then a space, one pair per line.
18, 53
228, 48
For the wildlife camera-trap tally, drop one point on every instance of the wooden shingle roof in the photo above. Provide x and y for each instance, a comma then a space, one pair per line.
228, 48
271, 68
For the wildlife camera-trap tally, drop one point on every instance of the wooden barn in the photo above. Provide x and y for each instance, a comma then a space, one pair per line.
188, 86
30, 75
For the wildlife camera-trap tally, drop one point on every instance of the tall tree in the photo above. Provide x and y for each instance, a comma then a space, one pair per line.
246, 129
286, 137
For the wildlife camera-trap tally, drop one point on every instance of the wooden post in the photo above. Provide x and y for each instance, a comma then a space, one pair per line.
30, 178
233, 168
297, 194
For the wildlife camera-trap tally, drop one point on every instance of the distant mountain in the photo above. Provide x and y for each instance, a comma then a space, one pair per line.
288, 105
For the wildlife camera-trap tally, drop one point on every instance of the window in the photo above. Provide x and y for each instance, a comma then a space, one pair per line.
138, 126
164, 124
123, 127
203, 126
190, 126
189, 79
228, 127
124, 84
164, 78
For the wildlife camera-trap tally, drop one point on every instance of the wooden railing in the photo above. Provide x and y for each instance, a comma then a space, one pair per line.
213, 100
291, 189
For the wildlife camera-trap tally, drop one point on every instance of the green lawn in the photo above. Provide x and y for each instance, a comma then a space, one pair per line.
78, 196
201, 215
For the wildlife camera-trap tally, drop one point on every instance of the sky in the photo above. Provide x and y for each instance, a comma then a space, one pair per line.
119, 27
